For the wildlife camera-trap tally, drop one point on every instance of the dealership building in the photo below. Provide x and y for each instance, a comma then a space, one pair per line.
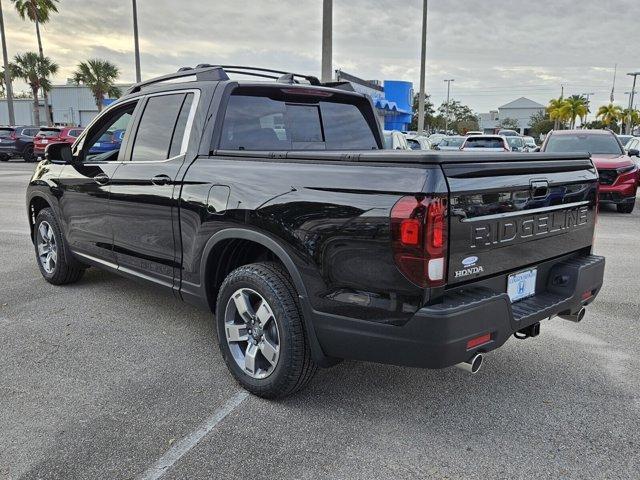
521, 110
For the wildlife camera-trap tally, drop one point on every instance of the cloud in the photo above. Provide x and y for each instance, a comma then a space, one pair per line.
497, 50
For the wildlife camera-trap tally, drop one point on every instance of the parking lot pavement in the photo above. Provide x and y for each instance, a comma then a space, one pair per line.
105, 378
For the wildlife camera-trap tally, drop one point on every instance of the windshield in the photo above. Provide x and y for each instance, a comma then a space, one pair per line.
483, 142
413, 144
515, 142
579, 142
48, 133
451, 142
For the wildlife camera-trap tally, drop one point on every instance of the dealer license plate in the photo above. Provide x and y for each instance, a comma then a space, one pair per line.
522, 284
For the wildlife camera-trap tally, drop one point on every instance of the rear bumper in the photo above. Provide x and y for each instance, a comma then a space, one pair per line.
436, 336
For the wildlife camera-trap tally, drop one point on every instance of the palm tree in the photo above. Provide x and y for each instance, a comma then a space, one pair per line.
99, 76
610, 114
557, 112
630, 116
39, 12
35, 71
573, 107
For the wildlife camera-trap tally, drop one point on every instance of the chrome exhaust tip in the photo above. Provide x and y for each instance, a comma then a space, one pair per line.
472, 365
575, 316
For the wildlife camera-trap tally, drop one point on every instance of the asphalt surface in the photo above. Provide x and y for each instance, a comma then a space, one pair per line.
102, 379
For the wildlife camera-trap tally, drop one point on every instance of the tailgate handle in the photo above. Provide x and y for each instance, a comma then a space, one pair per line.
539, 189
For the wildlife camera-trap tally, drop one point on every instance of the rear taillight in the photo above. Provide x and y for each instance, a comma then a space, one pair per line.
419, 239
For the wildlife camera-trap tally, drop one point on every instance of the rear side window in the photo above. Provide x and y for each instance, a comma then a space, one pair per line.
263, 123
4, 133
75, 133
156, 130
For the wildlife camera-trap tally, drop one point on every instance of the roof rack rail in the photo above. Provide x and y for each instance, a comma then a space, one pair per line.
202, 73
280, 75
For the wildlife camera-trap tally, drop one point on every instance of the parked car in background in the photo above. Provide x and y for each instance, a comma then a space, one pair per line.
435, 138
508, 133
516, 144
530, 144
450, 143
486, 143
632, 149
49, 135
395, 140
624, 139
618, 173
17, 142
474, 132
418, 142
108, 141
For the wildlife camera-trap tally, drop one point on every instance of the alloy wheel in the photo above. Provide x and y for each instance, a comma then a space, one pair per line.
47, 247
252, 333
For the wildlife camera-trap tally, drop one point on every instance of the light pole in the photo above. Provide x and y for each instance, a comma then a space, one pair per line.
7, 76
423, 68
446, 116
327, 40
136, 42
633, 91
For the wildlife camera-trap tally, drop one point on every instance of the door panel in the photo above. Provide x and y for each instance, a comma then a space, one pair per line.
144, 194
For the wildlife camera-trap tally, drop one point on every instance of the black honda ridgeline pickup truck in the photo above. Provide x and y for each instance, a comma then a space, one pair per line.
274, 205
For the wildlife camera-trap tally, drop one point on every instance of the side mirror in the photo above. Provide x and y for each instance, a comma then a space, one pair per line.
633, 152
59, 153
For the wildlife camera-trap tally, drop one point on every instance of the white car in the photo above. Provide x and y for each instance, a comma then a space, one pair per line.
508, 133
418, 142
395, 140
435, 138
450, 143
530, 144
474, 132
486, 143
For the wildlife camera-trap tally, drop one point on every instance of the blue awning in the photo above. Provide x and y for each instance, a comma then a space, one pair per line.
387, 106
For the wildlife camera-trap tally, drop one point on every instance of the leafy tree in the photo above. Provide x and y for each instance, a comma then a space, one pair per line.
39, 12
461, 117
630, 117
509, 123
100, 76
428, 112
609, 114
541, 124
35, 71
573, 107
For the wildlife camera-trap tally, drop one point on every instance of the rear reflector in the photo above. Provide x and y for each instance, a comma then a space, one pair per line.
481, 340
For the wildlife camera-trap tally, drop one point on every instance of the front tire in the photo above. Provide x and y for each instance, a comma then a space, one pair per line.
261, 333
54, 260
625, 207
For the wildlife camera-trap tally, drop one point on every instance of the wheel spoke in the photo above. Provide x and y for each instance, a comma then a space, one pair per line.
269, 351
236, 333
243, 306
54, 255
250, 358
263, 314
43, 231
42, 249
50, 234
50, 263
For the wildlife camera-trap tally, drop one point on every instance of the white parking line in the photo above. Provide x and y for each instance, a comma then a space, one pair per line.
179, 449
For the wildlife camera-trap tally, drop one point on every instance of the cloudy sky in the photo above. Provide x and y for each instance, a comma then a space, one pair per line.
496, 50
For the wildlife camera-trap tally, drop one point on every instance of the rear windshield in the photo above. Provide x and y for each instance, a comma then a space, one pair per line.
5, 132
483, 142
413, 144
297, 122
49, 133
598, 143
451, 142
515, 141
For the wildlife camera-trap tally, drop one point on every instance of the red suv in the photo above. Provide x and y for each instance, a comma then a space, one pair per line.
618, 173
48, 135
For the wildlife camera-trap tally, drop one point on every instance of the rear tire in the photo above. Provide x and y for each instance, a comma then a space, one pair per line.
625, 207
28, 154
4, 157
261, 334
56, 264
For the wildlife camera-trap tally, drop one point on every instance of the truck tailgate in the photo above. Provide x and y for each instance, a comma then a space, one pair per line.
506, 215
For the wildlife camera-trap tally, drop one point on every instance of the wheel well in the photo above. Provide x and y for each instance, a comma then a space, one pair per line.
35, 206
226, 256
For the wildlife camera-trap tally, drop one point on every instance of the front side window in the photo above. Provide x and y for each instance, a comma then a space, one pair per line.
155, 134
100, 145
262, 123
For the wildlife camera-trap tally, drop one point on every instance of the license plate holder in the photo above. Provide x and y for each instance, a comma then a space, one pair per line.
521, 285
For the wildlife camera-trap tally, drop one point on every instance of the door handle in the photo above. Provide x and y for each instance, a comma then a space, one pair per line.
161, 180
101, 178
